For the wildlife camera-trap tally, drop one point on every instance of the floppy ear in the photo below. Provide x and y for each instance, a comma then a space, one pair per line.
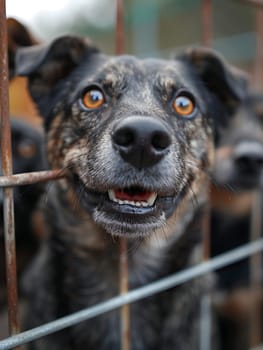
47, 65
18, 35
227, 82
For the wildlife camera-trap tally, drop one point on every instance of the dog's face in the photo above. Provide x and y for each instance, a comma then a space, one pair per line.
239, 157
135, 137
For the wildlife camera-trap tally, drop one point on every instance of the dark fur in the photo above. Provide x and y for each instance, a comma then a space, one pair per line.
78, 265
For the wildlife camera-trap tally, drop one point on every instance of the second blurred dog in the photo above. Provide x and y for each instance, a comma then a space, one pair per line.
238, 173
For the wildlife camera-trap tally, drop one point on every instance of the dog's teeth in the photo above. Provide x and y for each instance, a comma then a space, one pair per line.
112, 195
150, 201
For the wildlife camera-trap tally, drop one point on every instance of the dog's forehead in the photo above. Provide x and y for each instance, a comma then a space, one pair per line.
165, 72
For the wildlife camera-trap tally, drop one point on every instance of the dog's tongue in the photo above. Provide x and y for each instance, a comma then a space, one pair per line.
133, 195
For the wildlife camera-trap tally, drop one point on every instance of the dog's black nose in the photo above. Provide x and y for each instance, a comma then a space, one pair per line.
141, 141
248, 157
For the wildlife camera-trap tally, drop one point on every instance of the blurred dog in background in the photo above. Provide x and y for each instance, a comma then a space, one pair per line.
237, 174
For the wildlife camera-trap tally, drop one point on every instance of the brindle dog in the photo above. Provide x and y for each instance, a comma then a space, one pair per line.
135, 139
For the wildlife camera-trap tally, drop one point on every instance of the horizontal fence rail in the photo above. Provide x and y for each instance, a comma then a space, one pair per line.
153, 288
30, 178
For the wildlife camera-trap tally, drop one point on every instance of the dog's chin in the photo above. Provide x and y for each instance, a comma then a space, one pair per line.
130, 212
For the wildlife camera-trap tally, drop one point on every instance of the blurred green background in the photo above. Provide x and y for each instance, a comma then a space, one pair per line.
152, 27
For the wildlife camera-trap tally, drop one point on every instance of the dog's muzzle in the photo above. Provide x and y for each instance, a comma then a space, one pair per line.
140, 205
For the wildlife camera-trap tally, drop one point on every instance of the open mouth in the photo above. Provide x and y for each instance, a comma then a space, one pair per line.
133, 210
134, 196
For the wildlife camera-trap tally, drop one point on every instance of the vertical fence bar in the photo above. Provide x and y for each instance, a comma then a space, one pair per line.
123, 244
7, 170
206, 22
124, 287
205, 312
119, 28
258, 71
206, 25
255, 319
255, 323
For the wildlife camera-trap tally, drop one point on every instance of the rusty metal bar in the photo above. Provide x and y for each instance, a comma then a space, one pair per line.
258, 70
205, 311
123, 244
9, 226
206, 224
30, 178
124, 288
119, 28
255, 318
206, 21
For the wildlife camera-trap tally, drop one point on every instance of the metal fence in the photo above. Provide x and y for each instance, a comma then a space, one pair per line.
8, 181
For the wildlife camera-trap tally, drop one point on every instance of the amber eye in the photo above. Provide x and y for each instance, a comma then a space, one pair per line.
184, 105
93, 98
